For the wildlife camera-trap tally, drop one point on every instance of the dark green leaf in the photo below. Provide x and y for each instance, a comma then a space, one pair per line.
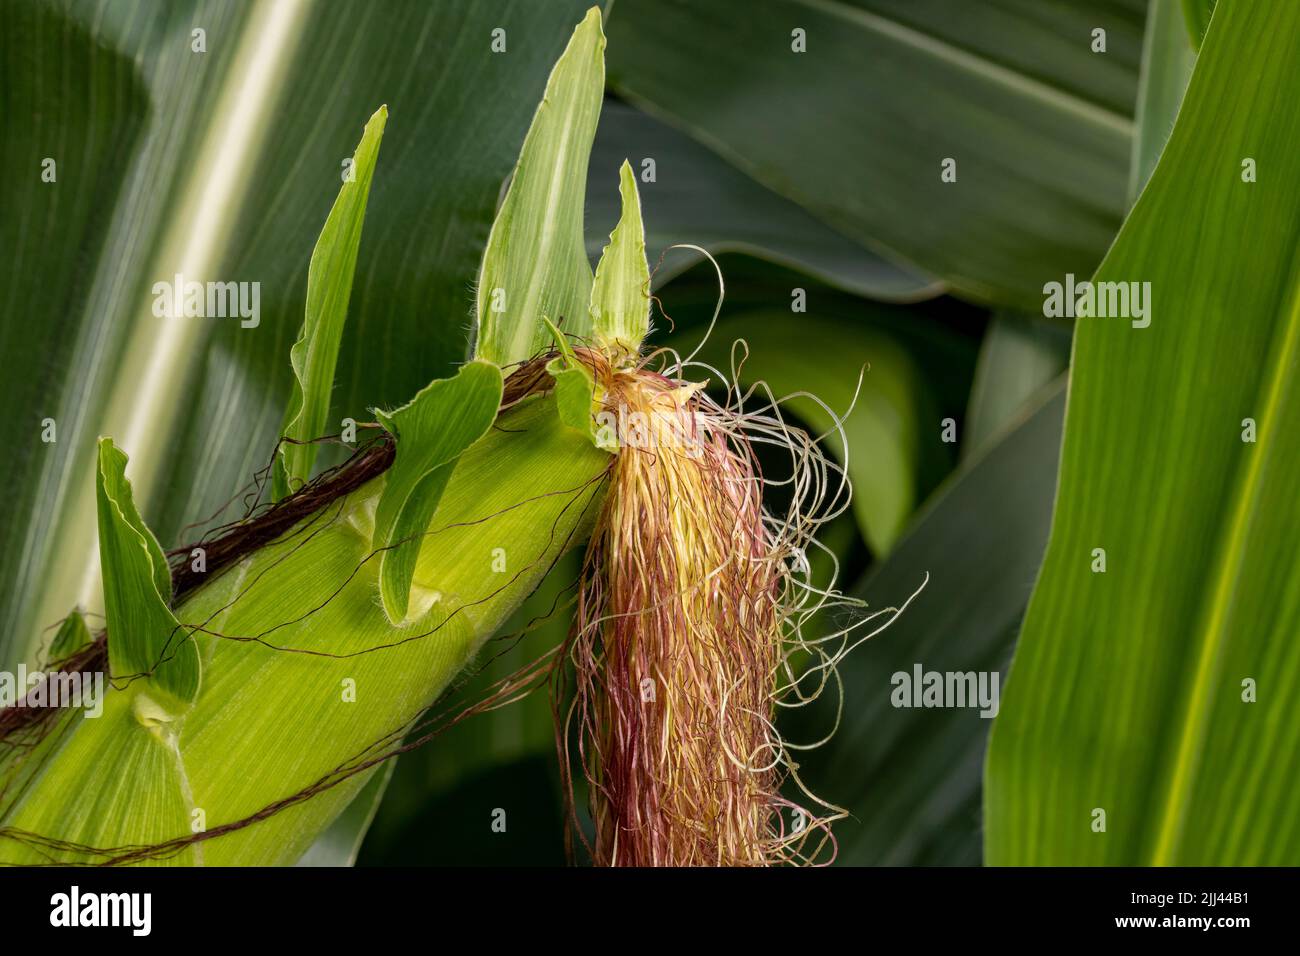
1019, 357
696, 197
1170, 589
911, 777
856, 128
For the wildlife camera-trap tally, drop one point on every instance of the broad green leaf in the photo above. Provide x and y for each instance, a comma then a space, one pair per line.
1130, 692
432, 431
1168, 55
620, 296
146, 638
857, 128
690, 195
535, 264
221, 165
1018, 358
911, 777
329, 287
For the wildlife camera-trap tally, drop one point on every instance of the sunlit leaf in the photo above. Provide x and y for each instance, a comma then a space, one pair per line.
1129, 732
535, 264
329, 287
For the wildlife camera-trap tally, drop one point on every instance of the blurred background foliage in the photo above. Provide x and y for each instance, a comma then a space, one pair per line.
816, 171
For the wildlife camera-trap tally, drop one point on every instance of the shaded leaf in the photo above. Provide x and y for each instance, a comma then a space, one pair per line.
1019, 357
1168, 55
911, 777
697, 197
857, 128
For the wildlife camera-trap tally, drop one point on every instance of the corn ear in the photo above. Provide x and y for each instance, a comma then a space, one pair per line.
303, 670
234, 709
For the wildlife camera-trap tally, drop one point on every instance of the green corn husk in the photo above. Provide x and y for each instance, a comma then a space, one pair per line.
345, 629
267, 723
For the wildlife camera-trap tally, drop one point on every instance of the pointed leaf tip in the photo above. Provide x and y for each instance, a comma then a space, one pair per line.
144, 637
620, 296
329, 287
535, 262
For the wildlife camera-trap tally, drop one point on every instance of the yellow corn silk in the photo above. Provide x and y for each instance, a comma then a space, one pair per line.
302, 671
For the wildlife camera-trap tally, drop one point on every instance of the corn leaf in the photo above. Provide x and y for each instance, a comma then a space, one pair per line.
1149, 713
1168, 55
1039, 126
692, 195
432, 431
620, 297
329, 287
146, 637
1019, 357
1196, 16
911, 777
535, 263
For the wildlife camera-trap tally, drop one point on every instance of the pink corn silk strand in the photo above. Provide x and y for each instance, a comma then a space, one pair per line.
676, 646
